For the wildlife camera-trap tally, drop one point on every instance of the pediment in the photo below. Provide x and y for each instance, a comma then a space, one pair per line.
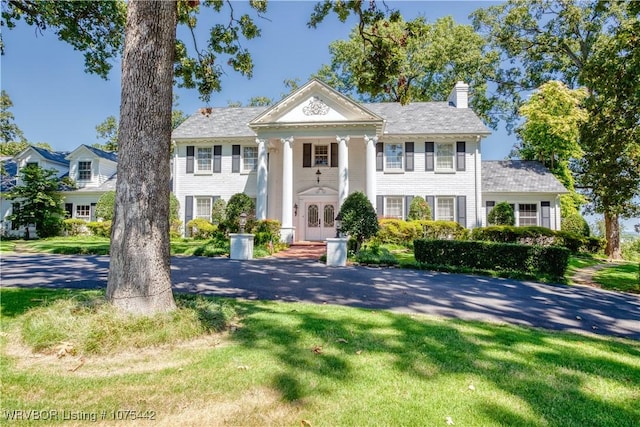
318, 191
315, 103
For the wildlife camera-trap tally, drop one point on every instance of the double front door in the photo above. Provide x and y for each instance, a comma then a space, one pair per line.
321, 220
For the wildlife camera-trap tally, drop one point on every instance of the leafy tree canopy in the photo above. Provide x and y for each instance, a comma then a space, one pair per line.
9, 131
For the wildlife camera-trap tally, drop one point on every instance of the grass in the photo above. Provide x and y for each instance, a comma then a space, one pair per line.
623, 277
7, 245
325, 365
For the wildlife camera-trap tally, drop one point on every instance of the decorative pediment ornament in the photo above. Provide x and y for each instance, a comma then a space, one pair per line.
315, 107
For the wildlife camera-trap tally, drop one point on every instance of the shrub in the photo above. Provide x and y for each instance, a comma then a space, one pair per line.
106, 205
359, 219
102, 228
419, 209
502, 214
631, 250
595, 245
200, 228
218, 212
75, 227
175, 228
266, 231
375, 255
575, 224
509, 234
442, 230
399, 232
532, 259
239, 203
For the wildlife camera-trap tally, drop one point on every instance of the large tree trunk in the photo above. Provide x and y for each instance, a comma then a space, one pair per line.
612, 229
139, 272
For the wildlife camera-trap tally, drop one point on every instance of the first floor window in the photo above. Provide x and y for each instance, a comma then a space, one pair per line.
249, 158
393, 207
205, 158
203, 208
83, 212
393, 153
444, 209
527, 214
321, 155
84, 171
444, 157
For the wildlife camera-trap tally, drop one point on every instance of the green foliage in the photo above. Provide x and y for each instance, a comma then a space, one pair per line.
38, 201
359, 219
200, 228
397, 231
575, 224
219, 211
443, 230
100, 228
419, 209
108, 132
266, 232
631, 250
375, 255
239, 203
106, 206
75, 227
9, 131
501, 214
533, 259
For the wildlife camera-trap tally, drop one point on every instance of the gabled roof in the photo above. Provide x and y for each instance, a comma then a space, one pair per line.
517, 176
98, 152
53, 156
219, 123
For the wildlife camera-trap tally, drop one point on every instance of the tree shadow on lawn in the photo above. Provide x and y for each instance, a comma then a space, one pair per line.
543, 372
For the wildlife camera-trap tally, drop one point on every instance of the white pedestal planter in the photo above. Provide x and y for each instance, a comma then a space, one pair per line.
241, 246
337, 251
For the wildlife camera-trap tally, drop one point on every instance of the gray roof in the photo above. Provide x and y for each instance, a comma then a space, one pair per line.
54, 156
101, 153
413, 118
518, 176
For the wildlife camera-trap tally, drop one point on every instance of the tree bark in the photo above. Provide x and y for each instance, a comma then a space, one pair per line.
139, 271
612, 229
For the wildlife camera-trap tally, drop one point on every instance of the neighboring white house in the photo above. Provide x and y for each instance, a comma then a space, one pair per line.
300, 158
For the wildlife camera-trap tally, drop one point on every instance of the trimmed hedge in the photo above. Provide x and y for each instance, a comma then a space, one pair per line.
547, 260
100, 228
400, 232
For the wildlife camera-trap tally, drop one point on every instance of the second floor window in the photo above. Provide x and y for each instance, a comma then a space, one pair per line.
205, 159
321, 154
444, 157
393, 154
84, 171
249, 158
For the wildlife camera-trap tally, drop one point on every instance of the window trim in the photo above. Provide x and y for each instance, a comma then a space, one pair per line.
327, 156
80, 170
197, 199
401, 200
388, 169
536, 214
437, 156
243, 166
196, 155
436, 214
76, 212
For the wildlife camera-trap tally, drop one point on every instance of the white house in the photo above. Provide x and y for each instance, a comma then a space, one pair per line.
300, 158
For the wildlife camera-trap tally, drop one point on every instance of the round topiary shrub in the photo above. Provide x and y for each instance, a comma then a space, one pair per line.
419, 209
576, 224
502, 214
239, 203
359, 219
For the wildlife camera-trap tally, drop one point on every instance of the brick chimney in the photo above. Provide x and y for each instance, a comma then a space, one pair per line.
459, 96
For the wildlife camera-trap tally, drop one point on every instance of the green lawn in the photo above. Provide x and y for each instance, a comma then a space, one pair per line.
7, 245
624, 277
292, 363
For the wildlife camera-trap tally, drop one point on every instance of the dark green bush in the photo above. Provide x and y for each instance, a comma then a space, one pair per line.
576, 224
101, 228
531, 259
502, 214
266, 231
359, 219
75, 227
239, 203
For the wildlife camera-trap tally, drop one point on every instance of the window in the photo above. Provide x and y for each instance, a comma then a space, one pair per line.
394, 154
31, 164
203, 208
444, 209
84, 171
83, 212
249, 159
393, 207
528, 214
444, 157
321, 155
205, 158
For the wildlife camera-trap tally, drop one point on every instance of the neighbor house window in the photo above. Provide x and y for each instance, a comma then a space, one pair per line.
321, 155
205, 159
83, 212
84, 171
444, 157
393, 207
394, 155
31, 164
444, 209
527, 214
249, 159
203, 208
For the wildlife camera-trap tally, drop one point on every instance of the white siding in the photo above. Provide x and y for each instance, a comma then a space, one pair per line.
528, 198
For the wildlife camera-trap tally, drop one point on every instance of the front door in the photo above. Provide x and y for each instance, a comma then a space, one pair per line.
321, 220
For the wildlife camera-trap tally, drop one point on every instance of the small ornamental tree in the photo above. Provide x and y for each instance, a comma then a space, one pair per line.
359, 219
239, 203
419, 209
37, 201
502, 214
218, 212
105, 205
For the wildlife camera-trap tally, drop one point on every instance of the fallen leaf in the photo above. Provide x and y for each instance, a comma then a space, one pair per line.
359, 352
472, 387
317, 349
449, 421
243, 367
342, 340
305, 423
82, 360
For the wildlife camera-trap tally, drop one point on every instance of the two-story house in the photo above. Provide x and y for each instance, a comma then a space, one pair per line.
300, 158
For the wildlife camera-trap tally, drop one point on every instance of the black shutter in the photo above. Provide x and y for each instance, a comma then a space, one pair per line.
380, 206
217, 158
408, 155
428, 156
306, 155
431, 201
235, 158
461, 216
461, 151
488, 207
190, 151
407, 205
68, 209
379, 156
334, 154
188, 212
546, 214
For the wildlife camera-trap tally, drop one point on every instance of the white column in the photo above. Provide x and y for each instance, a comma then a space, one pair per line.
370, 169
262, 177
343, 169
287, 190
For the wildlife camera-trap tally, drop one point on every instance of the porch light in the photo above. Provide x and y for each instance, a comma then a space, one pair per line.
338, 221
318, 173
243, 221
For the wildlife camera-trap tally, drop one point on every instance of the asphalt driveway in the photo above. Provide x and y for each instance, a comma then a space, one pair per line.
575, 309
